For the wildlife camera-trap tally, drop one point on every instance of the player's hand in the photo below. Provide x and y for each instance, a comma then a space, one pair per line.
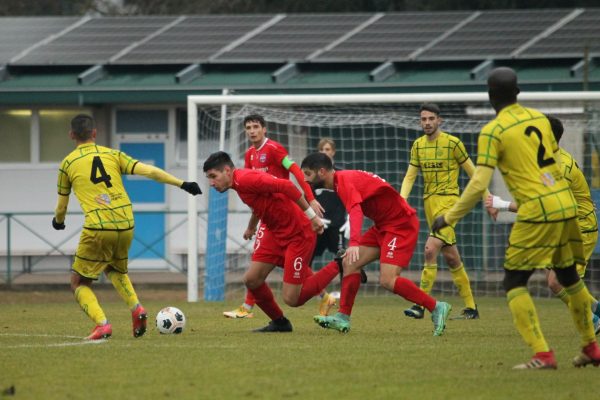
352, 254
438, 224
316, 206
59, 226
191, 187
317, 225
492, 211
249, 233
345, 229
326, 223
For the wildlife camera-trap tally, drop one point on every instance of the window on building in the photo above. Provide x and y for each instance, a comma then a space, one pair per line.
15, 131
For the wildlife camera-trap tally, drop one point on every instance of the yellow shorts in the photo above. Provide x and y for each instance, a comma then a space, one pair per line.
544, 245
98, 249
589, 244
436, 205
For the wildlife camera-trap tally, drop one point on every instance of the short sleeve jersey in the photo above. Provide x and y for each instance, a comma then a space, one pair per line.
94, 173
585, 206
519, 141
267, 158
273, 200
439, 161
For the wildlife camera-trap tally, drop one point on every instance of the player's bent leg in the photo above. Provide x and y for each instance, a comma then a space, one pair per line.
88, 302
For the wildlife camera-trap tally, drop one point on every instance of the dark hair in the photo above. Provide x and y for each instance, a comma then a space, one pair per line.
255, 118
316, 161
431, 107
217, 161
82, 126
557, 127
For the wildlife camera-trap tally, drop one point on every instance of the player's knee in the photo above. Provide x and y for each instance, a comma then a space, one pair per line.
290, 299
514, 279
252, 282
452, 261
430, 252
567, 276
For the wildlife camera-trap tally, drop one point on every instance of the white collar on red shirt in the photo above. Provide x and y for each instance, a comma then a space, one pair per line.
263, 144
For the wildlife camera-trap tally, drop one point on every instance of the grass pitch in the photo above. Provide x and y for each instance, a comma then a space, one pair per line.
385, 356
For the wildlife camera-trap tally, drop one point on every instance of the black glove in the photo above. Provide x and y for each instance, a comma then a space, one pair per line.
438, 224
58, 226
191, 188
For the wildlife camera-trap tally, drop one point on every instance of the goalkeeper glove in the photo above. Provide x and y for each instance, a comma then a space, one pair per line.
345, 229
59, 226
191, 188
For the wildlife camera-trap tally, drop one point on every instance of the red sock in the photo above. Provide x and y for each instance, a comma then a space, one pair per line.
266, 301
350, 286
250, 300
314, 284
411, 292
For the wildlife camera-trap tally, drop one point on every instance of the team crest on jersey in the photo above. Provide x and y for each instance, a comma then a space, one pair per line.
548, 179
440, 152
262, 158
103, 199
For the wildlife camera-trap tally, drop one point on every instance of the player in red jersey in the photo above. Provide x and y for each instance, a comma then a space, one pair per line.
392, 239
269, 156
291, 240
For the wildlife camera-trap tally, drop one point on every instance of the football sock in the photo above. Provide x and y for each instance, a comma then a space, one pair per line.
461, 281
250, 300
580, 308
428, 276
563, 296
350, 286
315, 284
265, 300
247, 306
89, 304
525, 319
406, 288
123, 285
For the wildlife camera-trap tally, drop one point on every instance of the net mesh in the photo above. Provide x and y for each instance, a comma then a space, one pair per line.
378, 138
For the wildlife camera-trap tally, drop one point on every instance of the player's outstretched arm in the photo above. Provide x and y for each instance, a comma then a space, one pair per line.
159, 175
251, 229
408, 181
498, 203
473, 192
314, 203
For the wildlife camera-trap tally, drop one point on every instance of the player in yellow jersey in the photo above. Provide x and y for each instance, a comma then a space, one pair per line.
546, 234
94, 173
439, 156
586, 216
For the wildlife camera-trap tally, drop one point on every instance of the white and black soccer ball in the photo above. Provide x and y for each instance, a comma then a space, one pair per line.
170, 320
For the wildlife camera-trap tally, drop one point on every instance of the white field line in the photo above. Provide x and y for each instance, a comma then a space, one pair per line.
80, 341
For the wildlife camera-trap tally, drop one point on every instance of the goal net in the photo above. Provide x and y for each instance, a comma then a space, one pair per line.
373, 133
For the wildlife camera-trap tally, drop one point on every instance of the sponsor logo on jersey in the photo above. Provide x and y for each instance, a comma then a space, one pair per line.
548, 179
433, 164
103, 199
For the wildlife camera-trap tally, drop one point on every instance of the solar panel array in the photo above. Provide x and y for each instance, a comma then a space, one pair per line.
572, 38
18, 34
299, 37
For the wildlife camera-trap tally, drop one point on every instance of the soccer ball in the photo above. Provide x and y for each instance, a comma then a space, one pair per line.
170, 320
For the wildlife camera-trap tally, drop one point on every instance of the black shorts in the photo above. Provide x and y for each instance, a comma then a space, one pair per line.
331, 239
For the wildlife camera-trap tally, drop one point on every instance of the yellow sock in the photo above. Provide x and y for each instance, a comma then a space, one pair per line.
461, 281
563, 296
89, 304
122, 283
581, 311
525, 319
428, 276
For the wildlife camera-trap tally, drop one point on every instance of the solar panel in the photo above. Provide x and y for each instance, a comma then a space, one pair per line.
494, 34
294, 38
571, 39
394, 36
95, 41
193, 40
20, 33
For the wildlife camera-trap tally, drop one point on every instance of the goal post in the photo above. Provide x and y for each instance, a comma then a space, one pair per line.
372, 132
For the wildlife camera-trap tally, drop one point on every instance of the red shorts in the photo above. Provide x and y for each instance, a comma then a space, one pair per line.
396, 244
293, 255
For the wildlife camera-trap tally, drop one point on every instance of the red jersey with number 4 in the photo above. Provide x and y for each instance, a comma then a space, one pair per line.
273, 200
267, 158
366, 194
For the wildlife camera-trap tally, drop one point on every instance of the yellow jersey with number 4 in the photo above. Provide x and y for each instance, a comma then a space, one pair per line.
519, 141
94, 173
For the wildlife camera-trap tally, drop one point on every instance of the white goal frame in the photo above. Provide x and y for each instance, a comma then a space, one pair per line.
193, 101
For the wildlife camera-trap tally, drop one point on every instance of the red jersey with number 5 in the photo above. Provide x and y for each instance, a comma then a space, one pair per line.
267, 158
